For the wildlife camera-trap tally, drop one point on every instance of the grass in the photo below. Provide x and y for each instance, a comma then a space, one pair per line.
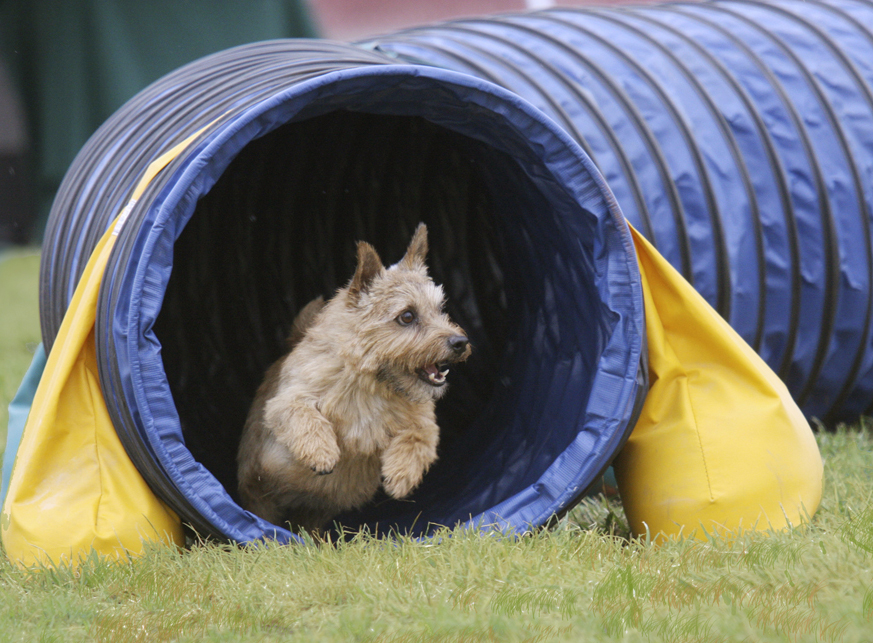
583, 581
19, 323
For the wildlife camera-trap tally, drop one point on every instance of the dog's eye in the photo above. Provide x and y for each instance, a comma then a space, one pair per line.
406, 318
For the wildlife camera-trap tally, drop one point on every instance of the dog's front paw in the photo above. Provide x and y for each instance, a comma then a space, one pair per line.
321, 460
407, 459
399, 484
320, 455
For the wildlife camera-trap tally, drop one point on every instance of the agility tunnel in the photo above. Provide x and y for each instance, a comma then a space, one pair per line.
215, 204
303, 148
737, 136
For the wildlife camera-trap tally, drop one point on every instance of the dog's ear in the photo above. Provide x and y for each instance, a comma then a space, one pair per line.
416, 253
369, 265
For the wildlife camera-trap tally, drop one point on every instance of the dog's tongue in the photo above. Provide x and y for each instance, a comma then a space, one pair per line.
434, 374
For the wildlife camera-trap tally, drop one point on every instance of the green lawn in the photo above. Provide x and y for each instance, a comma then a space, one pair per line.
19, 323
583, 581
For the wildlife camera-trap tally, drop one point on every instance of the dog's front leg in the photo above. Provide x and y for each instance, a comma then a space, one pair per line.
305, 432
408, 457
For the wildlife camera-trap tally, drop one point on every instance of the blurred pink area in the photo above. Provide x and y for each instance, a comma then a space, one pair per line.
354, 19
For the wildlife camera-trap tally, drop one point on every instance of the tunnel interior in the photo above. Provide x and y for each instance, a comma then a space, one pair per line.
279, 228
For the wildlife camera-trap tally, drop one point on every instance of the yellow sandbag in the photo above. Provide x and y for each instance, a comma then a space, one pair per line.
73, 487
720, 446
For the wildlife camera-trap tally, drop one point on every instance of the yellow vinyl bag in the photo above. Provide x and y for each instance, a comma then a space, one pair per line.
73, 487
720, 446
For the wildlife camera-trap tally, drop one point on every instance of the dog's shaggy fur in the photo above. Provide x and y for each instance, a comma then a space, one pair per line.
352, 405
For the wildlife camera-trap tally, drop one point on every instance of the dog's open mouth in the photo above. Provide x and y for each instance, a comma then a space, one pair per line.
434, 374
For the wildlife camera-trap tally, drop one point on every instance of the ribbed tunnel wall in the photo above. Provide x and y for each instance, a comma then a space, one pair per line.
738, 137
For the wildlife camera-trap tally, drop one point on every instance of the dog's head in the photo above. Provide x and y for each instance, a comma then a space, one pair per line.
404, 336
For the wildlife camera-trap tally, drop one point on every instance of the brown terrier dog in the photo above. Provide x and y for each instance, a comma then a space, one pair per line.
352, 405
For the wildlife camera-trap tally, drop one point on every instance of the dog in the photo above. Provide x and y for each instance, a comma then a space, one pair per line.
351, 406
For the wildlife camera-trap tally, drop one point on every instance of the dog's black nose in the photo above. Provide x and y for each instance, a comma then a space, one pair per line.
458, 343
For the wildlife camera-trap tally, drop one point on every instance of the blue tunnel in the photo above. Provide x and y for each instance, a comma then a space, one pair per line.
736, 136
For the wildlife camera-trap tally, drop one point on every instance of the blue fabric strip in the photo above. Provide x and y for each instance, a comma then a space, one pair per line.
19, 408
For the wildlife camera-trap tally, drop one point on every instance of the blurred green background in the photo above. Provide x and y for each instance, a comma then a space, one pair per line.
67, 65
